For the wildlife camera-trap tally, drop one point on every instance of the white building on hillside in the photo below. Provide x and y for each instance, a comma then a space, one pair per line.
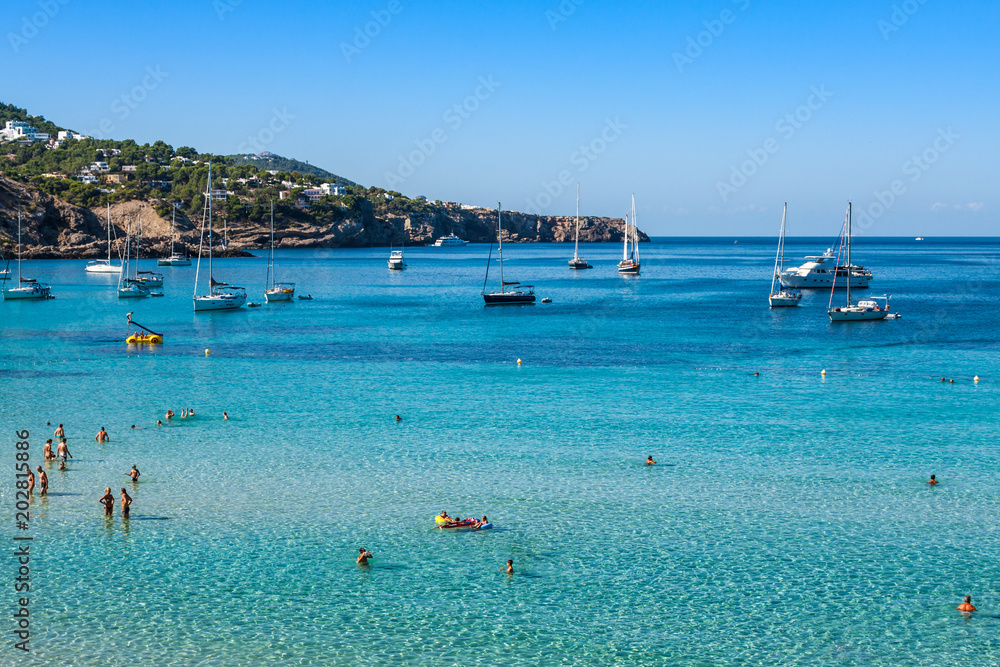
333, 189
70, 134
17, 130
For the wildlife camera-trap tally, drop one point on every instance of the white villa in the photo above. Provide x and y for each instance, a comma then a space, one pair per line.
16, 130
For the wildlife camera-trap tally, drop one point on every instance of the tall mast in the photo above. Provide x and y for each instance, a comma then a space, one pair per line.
635, 233
576, 248
211, 276
109, 232
781, 249
625, 248
500, 244
848, 254
173, 221
270, 259
18, 248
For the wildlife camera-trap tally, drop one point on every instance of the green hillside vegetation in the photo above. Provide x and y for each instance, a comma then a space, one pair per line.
272, 162
164, 175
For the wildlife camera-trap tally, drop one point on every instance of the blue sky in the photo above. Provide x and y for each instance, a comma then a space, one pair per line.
713, 113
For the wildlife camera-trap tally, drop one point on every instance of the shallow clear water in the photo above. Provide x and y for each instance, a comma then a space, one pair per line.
787, 521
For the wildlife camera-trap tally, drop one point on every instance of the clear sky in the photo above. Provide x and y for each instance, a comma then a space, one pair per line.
712, 112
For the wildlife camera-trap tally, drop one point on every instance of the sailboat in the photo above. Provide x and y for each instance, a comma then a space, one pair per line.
276, 291
147, 278
510, 292
176, 258
783, 297
865, 309
27, 288
630, 264
130, 288
576, 262
221, 296
105, 265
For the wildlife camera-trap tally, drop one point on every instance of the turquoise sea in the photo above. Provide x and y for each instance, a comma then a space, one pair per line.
787, 522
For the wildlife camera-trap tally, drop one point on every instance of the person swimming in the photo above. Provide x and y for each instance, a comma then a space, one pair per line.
650, 461
510, 567
967, 605
59, 432
932, 481
102, 436
398, 418
170, 414
364, 556
225, 416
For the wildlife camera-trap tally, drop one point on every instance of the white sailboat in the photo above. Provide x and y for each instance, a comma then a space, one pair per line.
221, 296
176, 258
27, 288
630, 264
130, 287
576, 262
510, 292
147, 278
275, 291
783, 297
865, 309
105, 265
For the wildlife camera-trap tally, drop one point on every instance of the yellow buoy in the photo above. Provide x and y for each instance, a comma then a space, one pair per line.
518, 362
975, 379
206, 351
823, 372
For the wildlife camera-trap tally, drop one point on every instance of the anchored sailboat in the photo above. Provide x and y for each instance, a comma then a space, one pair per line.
865, 309
27, 288
130, 288
510, 292
105, 265
783, 297
576, 262
276, 291
630, 261
221, 296
176, 258
147, 278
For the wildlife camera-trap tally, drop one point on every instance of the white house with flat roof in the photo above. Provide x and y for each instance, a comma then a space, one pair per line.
18, 130
69, 134
333, 189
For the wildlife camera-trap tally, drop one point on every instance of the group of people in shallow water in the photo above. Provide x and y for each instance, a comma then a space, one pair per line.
450, 521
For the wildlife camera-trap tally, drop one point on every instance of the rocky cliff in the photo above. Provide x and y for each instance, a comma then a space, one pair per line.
54, 229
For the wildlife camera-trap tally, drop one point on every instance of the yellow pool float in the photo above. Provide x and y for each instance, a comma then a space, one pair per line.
145, 339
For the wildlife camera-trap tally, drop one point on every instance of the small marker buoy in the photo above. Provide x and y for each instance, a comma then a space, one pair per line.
823, 372
975, 379
952, 381
942, 380
518, 362
206, 352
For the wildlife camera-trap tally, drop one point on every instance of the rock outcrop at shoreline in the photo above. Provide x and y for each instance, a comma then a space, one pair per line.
54, 229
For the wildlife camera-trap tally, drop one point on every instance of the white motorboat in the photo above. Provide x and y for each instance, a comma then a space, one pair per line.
630, 264
105, 265
577, 262
27, 288
449, 241
510, 292
176, 258
275, 291
396, 261
783, 297
865, 309
817, 273
221, 296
